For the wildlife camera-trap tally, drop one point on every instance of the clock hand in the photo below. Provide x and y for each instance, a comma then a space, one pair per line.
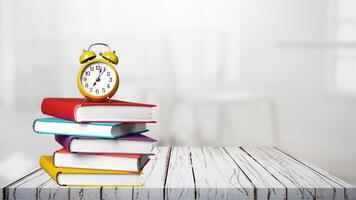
99, 74
98, 78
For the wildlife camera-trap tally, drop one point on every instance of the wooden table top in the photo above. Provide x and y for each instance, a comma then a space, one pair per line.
202, 173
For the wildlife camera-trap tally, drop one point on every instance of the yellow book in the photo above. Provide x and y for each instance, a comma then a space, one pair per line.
88, 177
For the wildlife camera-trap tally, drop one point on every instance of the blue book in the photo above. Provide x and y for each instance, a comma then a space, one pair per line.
56, 126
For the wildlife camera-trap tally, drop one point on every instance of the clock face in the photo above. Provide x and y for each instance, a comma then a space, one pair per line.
98, 79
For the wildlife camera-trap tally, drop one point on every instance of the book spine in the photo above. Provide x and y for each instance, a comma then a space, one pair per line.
46, 167
60, 109
34, 125
64, 141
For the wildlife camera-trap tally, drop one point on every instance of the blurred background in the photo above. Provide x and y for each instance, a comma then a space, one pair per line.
233, 72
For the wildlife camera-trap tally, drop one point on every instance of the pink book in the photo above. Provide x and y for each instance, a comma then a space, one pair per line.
129, 144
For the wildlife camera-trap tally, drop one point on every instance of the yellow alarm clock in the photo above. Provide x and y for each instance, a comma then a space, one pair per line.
97, 78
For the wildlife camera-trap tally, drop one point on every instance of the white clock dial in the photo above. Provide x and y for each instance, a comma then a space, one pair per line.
98, 79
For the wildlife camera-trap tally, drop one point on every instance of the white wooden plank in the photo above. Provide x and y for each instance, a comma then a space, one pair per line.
207, 172
209, 184
180, 183
154, 175
52, 191
25, 178
265, 185
117, 192
301, 181
11, 191
217, 176
350, 190
27, 189
79, 193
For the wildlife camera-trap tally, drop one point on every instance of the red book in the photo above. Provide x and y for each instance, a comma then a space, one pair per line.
76, 109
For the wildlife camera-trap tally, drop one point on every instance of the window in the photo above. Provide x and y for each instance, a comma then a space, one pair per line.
344, 29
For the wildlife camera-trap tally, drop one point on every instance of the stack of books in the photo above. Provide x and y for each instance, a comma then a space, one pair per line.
102, 142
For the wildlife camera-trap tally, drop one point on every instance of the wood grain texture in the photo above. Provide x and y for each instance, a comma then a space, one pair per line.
10, 189
180, 180
154, 175
204, 173
50, 190
79, 193
217, 176
350, 191
266, 186
117, 193
27, 188
300, 180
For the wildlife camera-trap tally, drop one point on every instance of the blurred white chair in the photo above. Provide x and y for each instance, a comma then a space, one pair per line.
187, 70
143, 72
197, 62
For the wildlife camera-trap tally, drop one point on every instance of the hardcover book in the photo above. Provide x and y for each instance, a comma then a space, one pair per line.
93, 129
128, 144
118, 162
79, 110
88, 177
